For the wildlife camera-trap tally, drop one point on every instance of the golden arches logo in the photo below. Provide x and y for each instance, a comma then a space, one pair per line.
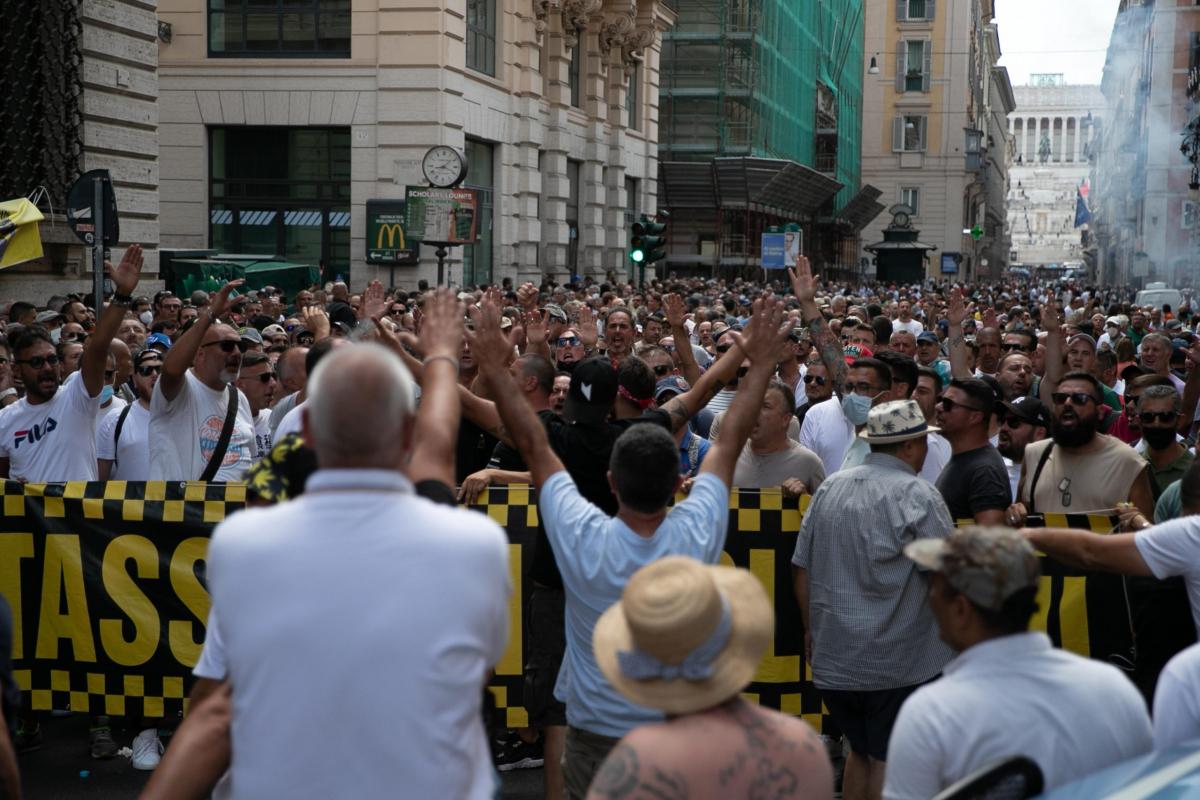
393, 231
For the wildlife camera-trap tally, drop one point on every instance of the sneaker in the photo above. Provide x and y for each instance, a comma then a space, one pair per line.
516, 753
29, 739
101, 740
147, 750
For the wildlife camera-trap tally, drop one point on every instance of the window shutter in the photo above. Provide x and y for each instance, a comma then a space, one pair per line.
897, 134
921, 125
930, 9
901, 67
901, 10
927, 74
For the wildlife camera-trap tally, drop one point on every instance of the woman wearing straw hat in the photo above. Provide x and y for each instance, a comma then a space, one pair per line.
686, 638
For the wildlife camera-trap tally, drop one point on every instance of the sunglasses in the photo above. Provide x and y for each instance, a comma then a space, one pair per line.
37, 362
396, 312
1076, 398
151, 369
1168, 417
723, 348
820, 379
661, 370
568, 341
1013, 347
266, 377
109, 374
1015, 422
950, 405
72, 337
291, 328
229, 345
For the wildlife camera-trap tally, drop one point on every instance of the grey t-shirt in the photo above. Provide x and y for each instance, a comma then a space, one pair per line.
772, 469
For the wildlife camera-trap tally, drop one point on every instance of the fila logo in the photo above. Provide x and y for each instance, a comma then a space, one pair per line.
34, 435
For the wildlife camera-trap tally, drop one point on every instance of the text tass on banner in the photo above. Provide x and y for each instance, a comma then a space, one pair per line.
107, 586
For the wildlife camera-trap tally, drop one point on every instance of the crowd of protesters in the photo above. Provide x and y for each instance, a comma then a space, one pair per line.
934, 427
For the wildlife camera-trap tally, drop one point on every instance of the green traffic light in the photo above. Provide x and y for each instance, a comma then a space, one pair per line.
637, 256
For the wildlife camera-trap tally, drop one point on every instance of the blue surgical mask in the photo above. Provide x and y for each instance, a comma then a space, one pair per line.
106, 394
856, 407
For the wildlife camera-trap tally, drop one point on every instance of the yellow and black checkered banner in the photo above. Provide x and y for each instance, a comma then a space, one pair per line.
106, 585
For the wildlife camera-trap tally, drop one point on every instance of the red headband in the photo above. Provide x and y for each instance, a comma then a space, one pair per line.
628, 395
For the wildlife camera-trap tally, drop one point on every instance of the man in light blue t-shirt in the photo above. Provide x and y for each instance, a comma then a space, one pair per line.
597, 553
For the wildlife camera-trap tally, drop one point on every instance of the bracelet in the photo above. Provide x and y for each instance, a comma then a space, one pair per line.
451, 359
121, 299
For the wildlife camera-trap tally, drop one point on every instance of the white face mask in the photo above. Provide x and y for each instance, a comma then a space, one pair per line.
146, 317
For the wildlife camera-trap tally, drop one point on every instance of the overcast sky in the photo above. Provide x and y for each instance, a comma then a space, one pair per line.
1067, 36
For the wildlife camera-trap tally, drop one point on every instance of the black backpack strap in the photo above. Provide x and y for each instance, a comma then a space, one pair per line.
1037, 473
117, 433
214, 462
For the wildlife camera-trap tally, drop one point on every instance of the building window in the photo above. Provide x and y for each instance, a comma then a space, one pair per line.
631, 201
481, 172
914, 66
633, 101
911, 196
915, 9
279, 28
908, 133
573, 72
282, 192
573, 215
481, 36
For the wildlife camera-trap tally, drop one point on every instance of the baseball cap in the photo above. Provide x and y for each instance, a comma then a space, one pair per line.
251, 335
928, 336
593, 389
1133, 371
159, 339
554, 310
149, 354
853, 352
988, 564
46, 316
274, 330
668, 387
1030, 409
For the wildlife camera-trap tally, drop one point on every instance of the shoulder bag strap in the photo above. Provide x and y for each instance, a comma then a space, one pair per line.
117, 433
1037, 473
214, 462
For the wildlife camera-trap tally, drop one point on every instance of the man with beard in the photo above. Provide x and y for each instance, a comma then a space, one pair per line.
190, 408
817, 387
1026, 420
258, 382
1155, 357
973, 483
618, 335
558, 396
904, 343
1079, 469
568, 350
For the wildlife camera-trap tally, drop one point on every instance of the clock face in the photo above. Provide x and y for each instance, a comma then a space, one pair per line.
443, 166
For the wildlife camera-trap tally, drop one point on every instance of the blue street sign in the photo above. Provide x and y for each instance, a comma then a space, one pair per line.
774, 251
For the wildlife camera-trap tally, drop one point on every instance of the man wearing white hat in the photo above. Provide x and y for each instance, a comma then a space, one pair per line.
869, 634
686, 638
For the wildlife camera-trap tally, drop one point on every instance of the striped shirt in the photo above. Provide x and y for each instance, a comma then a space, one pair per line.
871, 624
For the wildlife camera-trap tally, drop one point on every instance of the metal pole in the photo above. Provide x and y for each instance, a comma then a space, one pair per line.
441, 257
98, 244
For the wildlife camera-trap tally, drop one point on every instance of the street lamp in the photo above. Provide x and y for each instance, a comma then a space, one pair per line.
874, 68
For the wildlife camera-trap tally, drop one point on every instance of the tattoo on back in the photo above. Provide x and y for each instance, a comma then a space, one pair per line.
620, 778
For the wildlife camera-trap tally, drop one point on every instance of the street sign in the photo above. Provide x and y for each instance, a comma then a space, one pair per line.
774, 251
445, 216
950, 262
387, 240
81, 211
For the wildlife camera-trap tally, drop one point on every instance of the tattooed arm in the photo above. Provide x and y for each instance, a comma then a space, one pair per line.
622, 776
828, 347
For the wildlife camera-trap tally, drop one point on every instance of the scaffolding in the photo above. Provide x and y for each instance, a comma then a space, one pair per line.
763, 79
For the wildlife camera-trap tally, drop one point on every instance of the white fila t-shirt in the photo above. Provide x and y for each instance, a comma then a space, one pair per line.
52, 441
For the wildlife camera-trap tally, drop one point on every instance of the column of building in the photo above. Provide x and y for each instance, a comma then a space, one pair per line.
592, 193
612, 43
523, 227
556, 65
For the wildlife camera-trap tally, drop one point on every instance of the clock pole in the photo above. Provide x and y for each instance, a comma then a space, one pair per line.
441, 257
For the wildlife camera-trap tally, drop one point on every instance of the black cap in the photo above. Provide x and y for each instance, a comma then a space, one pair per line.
593, 389
1133, 371
1030, 409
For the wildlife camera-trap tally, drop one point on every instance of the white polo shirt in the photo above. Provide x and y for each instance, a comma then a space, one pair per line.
1015, 695
828, 433
362, 603
1177, 700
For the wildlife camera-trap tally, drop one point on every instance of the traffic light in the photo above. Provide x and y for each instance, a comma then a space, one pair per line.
648, 242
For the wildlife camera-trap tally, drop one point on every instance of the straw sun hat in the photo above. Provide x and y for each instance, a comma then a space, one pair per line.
684, 636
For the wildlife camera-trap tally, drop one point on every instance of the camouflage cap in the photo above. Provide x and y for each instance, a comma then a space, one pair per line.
987, 564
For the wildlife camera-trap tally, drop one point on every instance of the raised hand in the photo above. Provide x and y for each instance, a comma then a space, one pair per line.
374, 302
763, 337
442, 333
589, 334
218, 304
527, 296
316, 320
1049, 315
804, 283
490, 347
125, 275
957, 310
675, 309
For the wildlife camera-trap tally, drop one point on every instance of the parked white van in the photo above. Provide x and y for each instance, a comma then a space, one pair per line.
1158, 295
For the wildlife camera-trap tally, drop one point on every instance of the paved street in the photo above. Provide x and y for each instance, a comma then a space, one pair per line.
53, 773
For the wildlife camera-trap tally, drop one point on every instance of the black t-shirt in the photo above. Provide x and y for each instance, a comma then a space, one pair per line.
975, 481
10, 693
473, 451
506, 457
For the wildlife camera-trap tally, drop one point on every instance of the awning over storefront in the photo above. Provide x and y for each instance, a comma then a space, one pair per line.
862, 208
771, 185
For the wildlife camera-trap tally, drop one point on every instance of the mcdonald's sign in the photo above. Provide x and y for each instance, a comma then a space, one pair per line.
386, 237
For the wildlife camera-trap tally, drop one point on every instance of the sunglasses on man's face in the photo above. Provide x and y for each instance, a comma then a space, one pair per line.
397, 312
1015, 422
1075, 398
149, 369
1012, 347
229, 345
37, 362
1166, 417
819, 379
568, 341
662, 370
949, 405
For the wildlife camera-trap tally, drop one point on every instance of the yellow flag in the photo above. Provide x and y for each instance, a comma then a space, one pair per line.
20, 240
